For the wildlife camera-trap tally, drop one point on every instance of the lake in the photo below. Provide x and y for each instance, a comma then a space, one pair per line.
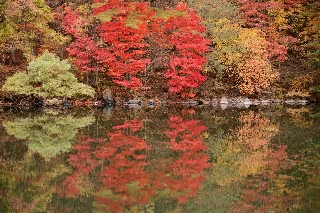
161, 159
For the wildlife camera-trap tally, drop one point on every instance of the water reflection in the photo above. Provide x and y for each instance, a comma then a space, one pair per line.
243, 151
125, 173
161, 160
48, 134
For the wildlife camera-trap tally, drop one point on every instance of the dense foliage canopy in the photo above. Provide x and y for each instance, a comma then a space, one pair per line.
156, 48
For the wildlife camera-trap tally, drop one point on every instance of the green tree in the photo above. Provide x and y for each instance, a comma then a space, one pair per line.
47, 77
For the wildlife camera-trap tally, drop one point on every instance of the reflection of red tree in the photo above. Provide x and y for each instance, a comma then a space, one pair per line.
83, 162
126, 154
186, 172
122, 164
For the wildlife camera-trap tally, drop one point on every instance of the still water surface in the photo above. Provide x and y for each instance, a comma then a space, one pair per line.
161, 160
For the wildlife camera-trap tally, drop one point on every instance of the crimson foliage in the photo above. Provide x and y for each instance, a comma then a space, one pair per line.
118, 39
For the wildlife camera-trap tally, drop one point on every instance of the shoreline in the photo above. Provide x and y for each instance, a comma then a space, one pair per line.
223, 102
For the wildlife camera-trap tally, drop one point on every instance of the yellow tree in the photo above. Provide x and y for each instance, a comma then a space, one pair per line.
240, 55
243, 53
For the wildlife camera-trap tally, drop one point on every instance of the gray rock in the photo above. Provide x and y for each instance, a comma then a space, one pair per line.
134, 102
236, 100
247, 101
277, 101
303, 101
256, 102
206, 102
67, 103
224, 100
215, 102
265, 102
290, 102
224, 106
150, 102
246, 105
107, 96
237, 105
193, 102
134, 106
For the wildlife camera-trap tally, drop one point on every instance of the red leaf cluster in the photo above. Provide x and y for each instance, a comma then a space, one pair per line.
122, 51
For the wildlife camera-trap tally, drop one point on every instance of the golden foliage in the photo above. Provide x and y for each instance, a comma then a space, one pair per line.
299, 86
299, 116
244, 54
245, 151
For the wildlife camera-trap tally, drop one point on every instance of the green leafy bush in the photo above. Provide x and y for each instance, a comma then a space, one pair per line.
47, 77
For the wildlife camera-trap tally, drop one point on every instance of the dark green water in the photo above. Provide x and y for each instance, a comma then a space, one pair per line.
161, 160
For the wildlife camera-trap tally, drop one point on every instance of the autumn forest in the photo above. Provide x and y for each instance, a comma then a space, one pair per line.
163, 49
159, 106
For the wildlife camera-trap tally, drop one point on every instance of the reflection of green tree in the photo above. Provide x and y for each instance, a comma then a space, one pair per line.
28, 184
47, 135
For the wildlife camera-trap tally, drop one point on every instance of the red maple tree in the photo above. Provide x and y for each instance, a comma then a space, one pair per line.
121, 46
187, 61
